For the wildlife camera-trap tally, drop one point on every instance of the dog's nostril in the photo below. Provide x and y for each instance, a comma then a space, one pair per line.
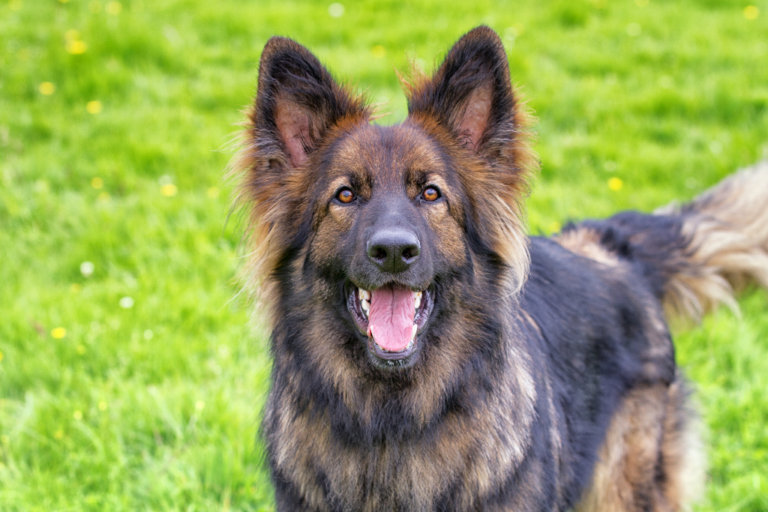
379, 254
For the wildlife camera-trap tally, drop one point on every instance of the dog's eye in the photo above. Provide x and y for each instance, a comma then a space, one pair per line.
345, 196
430, 194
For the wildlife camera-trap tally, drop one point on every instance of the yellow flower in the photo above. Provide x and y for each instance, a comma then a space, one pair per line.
555, 227
64, 1
76, 47
378, 51
15, 5
80, 349
1, 356
213, 192
75, 288
78, 415
169, 190
59, 434
114, 8
97, 183
58, 333
615, 184
93, 107
47, 88
751, 12
102, 406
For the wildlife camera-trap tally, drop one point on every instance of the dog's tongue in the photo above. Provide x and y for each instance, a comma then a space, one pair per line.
390, 320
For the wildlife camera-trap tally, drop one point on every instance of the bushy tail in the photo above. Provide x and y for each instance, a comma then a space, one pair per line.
695, 256
726, 235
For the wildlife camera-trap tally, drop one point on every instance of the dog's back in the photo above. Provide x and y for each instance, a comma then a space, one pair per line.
602, 304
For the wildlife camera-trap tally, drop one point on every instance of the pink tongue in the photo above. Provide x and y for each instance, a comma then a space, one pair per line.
390, 320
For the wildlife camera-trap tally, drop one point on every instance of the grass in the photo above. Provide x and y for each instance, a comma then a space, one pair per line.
152, 402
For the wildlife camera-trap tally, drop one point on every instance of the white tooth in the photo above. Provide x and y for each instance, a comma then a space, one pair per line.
365, 295
365, 305
417, 300
415, 328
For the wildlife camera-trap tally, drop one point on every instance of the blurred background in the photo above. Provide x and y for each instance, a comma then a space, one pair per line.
131, 374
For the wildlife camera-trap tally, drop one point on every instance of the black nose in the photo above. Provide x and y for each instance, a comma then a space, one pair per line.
393, 250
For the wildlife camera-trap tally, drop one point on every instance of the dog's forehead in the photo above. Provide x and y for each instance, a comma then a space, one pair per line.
386, 154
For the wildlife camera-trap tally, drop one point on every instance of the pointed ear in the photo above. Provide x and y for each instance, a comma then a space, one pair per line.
471, 94
470, 107
297, 102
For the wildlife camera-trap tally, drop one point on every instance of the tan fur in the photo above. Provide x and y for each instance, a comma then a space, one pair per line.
728, 249
270, 201
470, 448
650, 460
497, 192
682, 449
586, 242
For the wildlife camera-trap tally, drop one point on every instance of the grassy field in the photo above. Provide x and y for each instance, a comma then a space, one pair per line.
131, 377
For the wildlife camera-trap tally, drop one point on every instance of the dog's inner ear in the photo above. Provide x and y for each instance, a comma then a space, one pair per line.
297, 102
470, 93
293, 125
474, 120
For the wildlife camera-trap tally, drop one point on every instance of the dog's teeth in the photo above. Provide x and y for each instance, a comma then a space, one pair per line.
417, 300
366, 306
364, 294
413, 338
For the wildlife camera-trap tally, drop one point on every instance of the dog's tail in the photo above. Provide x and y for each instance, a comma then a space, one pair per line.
726, 234
697, 255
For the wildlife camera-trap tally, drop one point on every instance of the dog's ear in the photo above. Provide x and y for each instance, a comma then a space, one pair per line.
298, 107
469, 105
297, 102
471, 94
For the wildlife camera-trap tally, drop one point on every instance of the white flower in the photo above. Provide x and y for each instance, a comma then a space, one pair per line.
87, 268
336, 10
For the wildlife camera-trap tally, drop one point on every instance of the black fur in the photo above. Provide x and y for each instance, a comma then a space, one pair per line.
510, 394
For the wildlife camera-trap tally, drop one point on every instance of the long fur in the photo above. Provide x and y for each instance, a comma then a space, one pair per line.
546, 376
727, 232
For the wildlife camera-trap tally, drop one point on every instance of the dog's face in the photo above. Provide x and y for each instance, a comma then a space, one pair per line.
389, 219
378, 233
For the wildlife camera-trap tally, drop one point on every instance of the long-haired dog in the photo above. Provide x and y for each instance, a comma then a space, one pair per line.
428, 355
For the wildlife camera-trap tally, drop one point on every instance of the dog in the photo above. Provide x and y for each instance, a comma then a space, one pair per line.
428, 354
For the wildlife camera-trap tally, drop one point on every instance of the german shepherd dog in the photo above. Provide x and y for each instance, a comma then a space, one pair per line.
428, 355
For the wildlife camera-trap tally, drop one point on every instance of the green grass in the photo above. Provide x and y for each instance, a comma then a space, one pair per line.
156, 406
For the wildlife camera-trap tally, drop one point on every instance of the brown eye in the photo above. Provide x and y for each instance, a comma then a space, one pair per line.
430, 194
345, 196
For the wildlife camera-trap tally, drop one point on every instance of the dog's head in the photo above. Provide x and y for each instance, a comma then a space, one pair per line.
380, 245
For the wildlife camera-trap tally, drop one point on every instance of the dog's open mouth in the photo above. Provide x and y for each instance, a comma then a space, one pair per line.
392, 317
